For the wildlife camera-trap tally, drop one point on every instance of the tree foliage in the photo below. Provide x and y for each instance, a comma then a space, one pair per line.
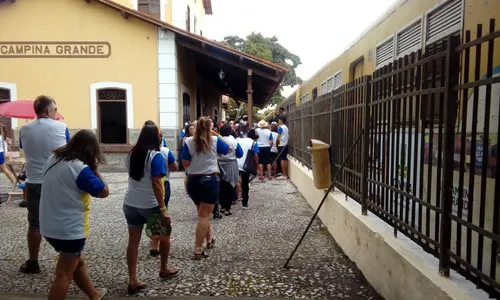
268, 48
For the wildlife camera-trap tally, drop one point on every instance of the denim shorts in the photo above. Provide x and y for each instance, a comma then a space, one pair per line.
203, 189
137, 217
67, 247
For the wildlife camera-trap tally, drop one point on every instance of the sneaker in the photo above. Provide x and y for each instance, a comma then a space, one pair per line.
30, 267
217, 216
245, 207
23, 203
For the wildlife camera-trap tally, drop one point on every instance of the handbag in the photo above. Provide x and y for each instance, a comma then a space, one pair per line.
249, 165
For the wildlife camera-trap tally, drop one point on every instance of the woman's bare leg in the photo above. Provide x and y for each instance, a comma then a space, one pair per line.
8, 173
203, 225
82, 280
134, 238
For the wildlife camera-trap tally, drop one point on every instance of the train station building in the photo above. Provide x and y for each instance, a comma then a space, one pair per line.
111, 67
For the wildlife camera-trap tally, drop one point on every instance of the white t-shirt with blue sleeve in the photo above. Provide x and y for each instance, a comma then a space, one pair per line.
140, 193
246, 144
65, 200
233, 155
264, 137
283, 131
203, 162
168, 157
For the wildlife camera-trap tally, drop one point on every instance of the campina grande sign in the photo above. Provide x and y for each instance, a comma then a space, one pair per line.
55, 49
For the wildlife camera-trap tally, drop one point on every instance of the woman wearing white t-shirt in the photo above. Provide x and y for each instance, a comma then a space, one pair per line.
199, 157
229, 164
265, 142
145, 198
250, 142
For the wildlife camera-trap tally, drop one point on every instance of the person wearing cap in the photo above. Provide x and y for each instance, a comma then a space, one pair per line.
265, 143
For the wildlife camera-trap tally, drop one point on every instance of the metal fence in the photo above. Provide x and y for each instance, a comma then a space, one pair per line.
426, 162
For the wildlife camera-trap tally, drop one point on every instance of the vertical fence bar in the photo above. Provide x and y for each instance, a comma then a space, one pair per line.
463, 140
450, 116
486, 146
366, 145
473, 144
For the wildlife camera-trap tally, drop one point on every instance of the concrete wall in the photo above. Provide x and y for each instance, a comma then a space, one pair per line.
395, 266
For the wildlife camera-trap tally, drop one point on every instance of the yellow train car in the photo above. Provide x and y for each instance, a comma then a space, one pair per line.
407, 26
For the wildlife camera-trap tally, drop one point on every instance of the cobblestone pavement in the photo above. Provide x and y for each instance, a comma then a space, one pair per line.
252, 246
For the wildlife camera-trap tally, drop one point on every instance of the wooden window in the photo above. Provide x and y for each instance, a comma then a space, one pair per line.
186, 108
188, 19
112, 116
315, 93
150, 7
5, 96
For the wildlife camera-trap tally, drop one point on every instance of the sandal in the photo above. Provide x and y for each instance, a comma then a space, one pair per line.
103, 292
270, 177
211, 244
198, 256
134, 289
228, 213
154, 252
168, 274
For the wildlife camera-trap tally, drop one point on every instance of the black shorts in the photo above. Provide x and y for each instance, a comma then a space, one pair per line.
283, 153
33, 194
68, 247
264, 155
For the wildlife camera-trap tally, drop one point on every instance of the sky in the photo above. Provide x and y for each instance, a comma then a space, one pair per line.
315, 30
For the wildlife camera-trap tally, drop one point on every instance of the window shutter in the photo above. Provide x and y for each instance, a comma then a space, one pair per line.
323, 89
410, 38
444, 20
384, 53
330, 84
337, 80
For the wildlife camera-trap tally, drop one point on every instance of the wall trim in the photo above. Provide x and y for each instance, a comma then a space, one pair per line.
93, 101
13, 97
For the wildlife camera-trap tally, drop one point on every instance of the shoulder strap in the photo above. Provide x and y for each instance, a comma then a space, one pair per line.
52, 166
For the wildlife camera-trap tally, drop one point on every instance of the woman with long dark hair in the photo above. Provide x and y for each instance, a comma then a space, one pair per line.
70, 179
229, 164
199, 157
169, 159
145, 198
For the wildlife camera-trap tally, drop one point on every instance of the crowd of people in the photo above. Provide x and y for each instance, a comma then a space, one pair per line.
63, 174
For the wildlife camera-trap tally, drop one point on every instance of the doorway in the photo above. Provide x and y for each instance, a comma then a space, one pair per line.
112, 114
186, 108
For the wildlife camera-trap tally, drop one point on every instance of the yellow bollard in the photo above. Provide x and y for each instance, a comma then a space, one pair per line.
321, 167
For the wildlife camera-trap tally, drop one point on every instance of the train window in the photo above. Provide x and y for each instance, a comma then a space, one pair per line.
444, 20
323, 88
384, 53
337, 80
409, 39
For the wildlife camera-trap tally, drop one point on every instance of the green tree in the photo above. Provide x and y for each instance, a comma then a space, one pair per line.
270, 49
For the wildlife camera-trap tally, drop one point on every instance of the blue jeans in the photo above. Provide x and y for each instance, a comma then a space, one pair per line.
203, 189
